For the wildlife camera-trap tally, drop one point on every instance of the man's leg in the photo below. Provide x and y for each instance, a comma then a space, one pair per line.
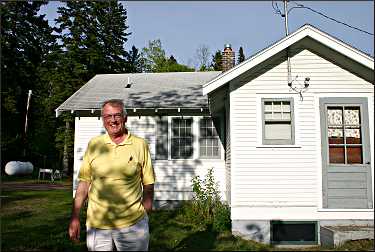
133, 238
99, 239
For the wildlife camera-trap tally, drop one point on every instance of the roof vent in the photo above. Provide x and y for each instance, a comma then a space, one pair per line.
129, 84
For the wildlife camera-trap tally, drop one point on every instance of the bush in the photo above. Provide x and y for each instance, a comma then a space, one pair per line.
207, 206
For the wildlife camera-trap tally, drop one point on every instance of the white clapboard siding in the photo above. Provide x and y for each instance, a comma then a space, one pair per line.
283, 176
173, 177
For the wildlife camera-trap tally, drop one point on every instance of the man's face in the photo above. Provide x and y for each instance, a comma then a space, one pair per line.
114, 120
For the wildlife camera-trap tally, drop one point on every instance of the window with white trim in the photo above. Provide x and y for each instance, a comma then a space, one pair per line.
209, 146
278, 121
181, 138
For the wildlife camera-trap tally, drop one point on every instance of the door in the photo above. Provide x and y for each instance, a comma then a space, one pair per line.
346, 153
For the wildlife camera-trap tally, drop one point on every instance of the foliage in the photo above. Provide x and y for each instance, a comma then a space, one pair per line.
26, 43
154, 60
241, 55
217, 61
91, 37
207, 205
94, 33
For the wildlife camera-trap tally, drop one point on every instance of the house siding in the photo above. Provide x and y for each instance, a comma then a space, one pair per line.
285, 176
173, 177
227, 149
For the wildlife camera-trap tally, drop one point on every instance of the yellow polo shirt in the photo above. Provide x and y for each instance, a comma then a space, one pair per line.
116, 173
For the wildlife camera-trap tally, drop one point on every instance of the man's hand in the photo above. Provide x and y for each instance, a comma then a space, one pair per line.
80, 197
74, 229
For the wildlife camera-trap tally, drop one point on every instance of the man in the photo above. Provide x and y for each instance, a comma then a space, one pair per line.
117, 177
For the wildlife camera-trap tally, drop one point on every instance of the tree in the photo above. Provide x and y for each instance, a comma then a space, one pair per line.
94, 33
217, 61
203, 55
26, 42
133, 59
154, 60
241, 55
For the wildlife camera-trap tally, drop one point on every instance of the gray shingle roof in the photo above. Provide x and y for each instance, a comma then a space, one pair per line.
148, 90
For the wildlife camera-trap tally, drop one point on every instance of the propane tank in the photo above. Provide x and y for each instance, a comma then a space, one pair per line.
18, 168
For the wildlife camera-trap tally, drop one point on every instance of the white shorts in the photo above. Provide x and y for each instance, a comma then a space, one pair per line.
133, 238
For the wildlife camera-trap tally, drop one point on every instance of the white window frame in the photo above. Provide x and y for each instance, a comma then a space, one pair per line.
292, 119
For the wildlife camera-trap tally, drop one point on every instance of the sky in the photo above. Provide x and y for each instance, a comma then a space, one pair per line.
184, 26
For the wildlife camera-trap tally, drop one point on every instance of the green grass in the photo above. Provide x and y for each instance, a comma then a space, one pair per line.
38, 220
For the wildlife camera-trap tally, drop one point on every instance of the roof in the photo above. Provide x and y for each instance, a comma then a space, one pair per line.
303, 32
148, 90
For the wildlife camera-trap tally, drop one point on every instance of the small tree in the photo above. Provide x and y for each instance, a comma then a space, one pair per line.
217, 61
207, 203
203, 58
241, 55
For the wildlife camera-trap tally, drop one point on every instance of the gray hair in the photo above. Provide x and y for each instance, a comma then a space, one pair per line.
115, 103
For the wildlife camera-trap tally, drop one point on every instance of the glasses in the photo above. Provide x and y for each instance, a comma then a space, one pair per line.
116, 116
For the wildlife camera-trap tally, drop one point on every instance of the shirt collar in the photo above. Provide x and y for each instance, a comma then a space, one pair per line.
127, 140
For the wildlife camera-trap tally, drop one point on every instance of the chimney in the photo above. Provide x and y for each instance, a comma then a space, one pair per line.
228, 57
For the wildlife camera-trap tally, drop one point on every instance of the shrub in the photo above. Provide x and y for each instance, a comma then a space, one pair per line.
207, 205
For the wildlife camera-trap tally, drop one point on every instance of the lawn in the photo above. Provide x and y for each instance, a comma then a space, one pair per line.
38, 220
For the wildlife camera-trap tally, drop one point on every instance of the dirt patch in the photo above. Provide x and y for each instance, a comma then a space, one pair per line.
29, 186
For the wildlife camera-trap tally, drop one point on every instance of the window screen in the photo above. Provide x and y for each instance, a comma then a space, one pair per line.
278, 125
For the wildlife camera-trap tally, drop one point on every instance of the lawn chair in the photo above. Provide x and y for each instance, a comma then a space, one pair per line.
45, 172
57, 174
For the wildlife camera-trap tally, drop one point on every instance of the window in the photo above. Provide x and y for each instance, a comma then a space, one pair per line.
182, 138
344, 135
208, 139
277, 119
294, 232
162, 138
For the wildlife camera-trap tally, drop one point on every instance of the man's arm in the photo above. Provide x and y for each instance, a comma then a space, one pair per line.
79, 199
148, 197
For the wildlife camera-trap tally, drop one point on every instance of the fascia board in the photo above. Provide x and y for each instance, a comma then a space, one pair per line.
283, 44
343, 48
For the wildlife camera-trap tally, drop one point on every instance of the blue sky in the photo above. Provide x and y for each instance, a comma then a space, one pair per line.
183, 26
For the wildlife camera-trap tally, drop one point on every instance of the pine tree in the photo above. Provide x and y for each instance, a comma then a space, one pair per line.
217, 61
241, 56
26, 42
94, 34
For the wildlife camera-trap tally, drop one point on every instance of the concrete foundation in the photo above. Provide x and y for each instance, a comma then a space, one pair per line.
256, 230
333, 233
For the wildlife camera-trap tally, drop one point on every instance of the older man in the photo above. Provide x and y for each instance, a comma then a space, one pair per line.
117, 177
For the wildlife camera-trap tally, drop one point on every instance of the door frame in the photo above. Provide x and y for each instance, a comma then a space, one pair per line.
362, 102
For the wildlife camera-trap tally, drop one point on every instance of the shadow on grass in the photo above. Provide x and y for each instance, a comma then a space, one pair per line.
201, 240
50, 237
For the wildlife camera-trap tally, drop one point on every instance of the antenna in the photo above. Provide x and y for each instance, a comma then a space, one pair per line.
303, 88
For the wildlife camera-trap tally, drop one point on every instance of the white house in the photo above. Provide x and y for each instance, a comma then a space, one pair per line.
289, 133
170, 112
298, 156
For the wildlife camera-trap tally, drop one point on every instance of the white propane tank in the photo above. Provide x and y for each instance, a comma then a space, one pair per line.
18, 168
